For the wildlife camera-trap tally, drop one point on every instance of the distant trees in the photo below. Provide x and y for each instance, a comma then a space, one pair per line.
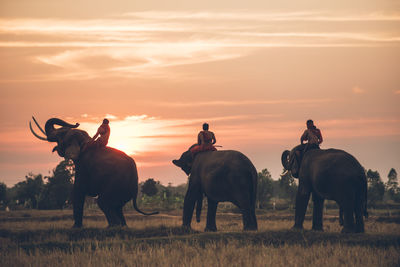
376, 188
264, 189
54, 191
28, 192
57, 191
288, 187
3, 193
149, 187
392, 186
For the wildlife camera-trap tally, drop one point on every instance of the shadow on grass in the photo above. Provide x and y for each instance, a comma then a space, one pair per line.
93, 239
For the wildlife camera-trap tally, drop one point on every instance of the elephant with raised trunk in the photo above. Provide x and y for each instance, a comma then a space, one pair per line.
328, 174
221, 176
105, 172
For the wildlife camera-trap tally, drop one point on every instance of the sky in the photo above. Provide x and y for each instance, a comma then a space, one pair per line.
254, 70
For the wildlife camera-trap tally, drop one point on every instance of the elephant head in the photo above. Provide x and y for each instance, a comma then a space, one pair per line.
69, 140
291, 160
185, 162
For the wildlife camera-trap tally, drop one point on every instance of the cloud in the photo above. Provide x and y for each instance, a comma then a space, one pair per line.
244, 103
150, 43
357, 90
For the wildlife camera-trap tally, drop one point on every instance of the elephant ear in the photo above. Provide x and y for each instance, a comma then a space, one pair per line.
285, 159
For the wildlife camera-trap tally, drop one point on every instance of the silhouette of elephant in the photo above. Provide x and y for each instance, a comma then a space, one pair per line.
328, 174
221, 176
105, 172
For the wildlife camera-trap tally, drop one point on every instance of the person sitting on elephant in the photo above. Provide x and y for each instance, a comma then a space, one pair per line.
313, 135
100, 139
205, 141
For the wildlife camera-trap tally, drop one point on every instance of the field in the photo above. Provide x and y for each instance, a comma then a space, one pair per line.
45, 238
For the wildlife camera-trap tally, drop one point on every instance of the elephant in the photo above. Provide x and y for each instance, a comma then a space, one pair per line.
105, 172
328, 174
225, 175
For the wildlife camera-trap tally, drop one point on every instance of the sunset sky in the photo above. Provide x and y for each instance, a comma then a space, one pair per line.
254, 70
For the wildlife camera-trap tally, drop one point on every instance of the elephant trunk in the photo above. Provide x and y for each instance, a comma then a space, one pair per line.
51, 131
285, 159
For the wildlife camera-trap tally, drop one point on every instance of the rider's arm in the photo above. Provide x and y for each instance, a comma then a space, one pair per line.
214, 140
97, 133
303, 137
200, 138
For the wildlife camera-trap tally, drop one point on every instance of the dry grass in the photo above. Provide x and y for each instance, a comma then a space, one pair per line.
44, 238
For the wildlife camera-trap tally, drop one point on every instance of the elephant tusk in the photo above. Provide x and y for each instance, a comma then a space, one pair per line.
284, 173
37, 124
35, 134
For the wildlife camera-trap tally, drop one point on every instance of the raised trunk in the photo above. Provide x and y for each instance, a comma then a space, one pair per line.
51, 131
285, 159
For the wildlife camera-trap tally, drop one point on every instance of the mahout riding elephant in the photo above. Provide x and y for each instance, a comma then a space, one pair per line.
328, 174
225, 175
105, 172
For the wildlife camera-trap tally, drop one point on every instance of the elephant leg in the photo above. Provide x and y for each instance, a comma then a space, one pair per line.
248, 214
121, 216
348, 212
78, 202
211, 225
302, 199
317, 212
191, 197
358, 211
109, 212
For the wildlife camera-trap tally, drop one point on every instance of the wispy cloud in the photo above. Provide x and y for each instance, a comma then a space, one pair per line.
149, 43
245, 102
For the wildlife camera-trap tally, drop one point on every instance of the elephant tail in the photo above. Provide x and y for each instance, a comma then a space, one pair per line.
138, 210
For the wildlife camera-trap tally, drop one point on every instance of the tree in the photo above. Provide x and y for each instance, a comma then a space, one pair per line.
28, 192
392, 186
149, 187
288, 186
376, 188
264, 188
59, 186
3, 192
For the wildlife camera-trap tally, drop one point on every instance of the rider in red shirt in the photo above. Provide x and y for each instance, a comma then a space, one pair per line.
205, 141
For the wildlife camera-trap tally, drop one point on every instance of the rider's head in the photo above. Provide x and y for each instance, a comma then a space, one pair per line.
310, 124
205, 126
105, 121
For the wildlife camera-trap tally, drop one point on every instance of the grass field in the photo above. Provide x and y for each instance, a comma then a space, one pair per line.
45, 238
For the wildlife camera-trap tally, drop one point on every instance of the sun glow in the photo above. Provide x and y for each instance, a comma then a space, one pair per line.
136, 135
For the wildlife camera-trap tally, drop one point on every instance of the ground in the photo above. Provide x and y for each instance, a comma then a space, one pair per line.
45, 238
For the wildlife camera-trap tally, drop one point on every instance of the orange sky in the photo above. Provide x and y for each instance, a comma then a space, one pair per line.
256, 71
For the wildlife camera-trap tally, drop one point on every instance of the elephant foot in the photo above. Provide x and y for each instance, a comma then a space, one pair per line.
320, 229
186, 227
297, 228
250, 228
347, 231
210, 229
77, 226
359, 230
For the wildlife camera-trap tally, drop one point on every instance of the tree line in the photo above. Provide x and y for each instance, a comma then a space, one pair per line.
55, 191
